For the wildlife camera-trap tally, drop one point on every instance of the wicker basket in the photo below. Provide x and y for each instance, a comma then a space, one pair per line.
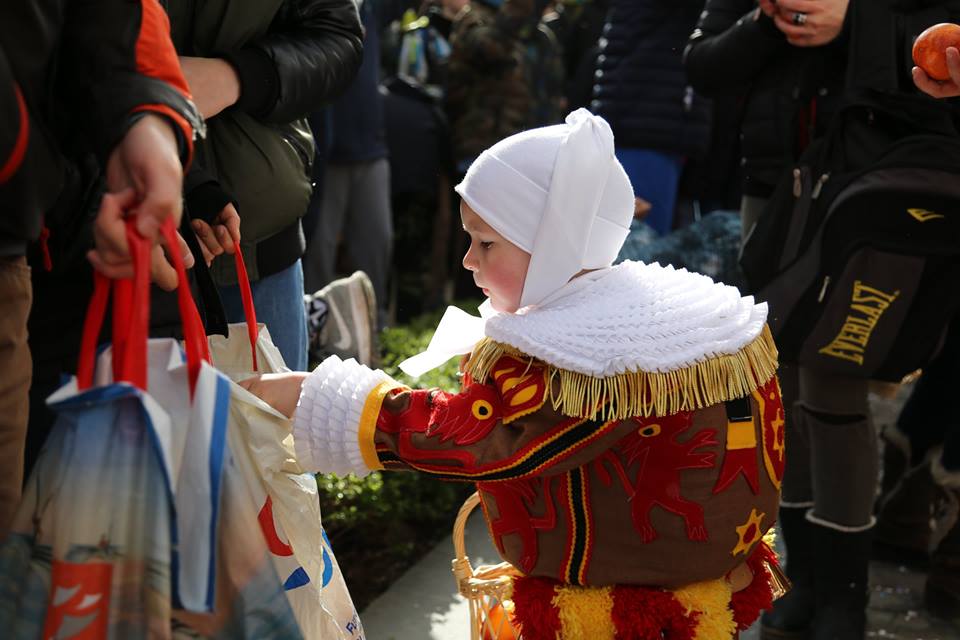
488, 588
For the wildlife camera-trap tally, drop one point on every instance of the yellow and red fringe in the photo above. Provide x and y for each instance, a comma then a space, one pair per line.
644, 393
545, 609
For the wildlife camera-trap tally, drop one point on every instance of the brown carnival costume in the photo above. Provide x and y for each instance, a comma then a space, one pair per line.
624, 430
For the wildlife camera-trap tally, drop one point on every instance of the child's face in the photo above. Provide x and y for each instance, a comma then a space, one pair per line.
499, 267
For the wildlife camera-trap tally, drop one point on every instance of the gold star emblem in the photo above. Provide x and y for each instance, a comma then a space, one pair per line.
749, 533
777, 427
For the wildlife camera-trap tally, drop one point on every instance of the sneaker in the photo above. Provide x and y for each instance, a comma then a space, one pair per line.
316, 308
343, 320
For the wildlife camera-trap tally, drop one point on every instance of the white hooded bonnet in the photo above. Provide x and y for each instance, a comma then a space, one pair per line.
560, 194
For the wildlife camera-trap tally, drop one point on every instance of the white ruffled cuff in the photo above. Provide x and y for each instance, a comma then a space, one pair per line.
328, 420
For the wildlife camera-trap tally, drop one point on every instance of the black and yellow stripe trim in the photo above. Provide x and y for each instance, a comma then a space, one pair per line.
580, 538
388, 459
530, 460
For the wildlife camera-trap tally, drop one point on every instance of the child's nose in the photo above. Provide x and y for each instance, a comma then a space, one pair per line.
469, 262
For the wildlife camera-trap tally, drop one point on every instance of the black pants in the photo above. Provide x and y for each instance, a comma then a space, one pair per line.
931, 418
832, 450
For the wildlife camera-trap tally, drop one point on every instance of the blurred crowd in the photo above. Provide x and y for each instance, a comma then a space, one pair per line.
333, 132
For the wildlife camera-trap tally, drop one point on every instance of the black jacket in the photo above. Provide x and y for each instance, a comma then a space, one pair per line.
358, 132
733, 52
791, 92
640, 85
73, 78
292, 57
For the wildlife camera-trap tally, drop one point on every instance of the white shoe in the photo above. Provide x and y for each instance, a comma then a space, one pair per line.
343, 319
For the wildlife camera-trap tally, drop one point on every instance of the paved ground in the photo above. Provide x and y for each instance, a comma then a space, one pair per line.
896, 607
424, 605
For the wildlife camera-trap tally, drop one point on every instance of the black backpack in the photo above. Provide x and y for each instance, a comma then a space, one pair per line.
858, 251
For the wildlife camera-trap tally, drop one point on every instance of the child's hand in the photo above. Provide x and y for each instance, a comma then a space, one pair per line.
280, 390
221, 236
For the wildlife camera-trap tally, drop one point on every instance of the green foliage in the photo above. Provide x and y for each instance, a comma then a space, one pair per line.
399, 343
380, 501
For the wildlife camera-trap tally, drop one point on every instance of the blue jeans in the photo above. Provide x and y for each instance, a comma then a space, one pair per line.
654, 176
278, 299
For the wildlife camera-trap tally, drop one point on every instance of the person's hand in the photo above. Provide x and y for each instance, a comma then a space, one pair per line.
279, 390
112, 255
947, 88
162, 271
147, 161
213, 82
767, 7
222, 237
810, 23
144, 178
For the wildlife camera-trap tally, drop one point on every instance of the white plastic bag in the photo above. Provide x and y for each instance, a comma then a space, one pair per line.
286, 500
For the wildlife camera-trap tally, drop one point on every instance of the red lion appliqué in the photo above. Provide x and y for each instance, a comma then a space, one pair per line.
513, 500
661, 458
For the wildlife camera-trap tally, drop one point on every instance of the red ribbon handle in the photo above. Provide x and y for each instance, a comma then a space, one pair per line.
194, 335
131, 316
253, 330
92, 323
130, 359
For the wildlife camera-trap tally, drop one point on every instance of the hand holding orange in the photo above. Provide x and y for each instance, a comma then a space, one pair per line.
930, 49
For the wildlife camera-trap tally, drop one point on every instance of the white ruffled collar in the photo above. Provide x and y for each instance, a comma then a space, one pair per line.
631, 317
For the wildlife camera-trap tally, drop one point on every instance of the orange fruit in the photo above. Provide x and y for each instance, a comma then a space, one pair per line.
498, 620
930, 49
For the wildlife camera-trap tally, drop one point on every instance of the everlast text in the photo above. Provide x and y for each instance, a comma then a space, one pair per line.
866, 307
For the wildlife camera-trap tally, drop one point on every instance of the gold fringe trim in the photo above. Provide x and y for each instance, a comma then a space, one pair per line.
644, 393
712, 600
770, 539
584, 612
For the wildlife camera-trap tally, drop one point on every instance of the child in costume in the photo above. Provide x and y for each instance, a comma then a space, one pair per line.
623, 425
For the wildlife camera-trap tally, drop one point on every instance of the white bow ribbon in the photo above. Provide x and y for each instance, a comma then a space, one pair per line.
456, 335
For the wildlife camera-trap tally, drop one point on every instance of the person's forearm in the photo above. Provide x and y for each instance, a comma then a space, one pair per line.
111, 78
310, 57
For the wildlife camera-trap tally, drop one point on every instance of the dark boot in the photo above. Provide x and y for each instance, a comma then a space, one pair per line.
896, 460
791, 615
942, 593
904, 511
841, 561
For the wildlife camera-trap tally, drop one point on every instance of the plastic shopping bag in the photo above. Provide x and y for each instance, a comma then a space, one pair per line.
118, 519
280, 500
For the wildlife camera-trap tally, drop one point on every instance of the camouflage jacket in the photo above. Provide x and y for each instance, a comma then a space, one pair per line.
505, 75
